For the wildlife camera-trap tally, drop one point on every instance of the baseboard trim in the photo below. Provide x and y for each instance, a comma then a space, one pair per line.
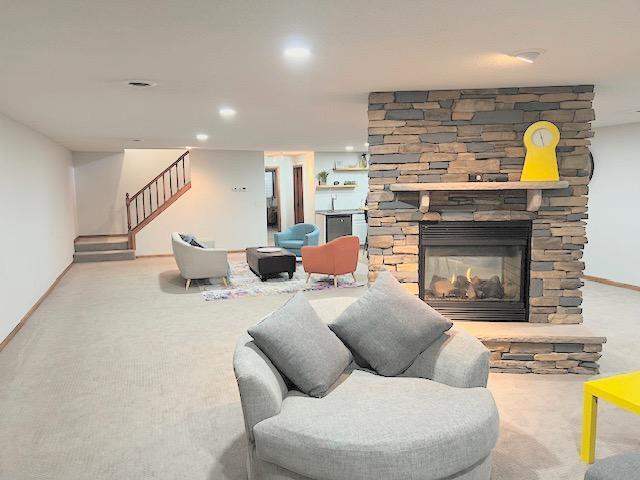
164, 255
612, 283
35, 306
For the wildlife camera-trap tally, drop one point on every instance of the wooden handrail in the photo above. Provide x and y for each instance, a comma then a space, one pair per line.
131, 201
164, 172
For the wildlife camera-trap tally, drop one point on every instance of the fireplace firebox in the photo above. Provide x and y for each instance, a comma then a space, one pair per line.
476, 270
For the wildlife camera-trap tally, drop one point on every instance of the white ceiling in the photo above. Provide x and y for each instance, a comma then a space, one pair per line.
62, 63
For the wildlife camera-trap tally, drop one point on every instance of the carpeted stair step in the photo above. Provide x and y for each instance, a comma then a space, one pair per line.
101, 243
104, 256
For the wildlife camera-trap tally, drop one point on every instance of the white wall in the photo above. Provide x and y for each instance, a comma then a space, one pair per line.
613, 228
345, 199
103, 179
210, 209
37, 208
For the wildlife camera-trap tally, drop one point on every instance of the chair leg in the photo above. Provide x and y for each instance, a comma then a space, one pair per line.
308, 277
188, 283
335, 281
354, 276
224, 280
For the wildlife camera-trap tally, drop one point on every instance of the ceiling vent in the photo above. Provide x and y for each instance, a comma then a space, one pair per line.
141, 83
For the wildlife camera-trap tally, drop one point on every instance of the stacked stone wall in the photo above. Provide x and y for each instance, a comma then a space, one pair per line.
476, 135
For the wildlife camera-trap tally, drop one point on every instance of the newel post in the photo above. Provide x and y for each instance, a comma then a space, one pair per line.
128, 202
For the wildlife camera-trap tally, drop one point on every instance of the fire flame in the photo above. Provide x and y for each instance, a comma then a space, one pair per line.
469, 273
453, 278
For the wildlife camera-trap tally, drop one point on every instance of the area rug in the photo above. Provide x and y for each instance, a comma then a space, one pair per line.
244, 283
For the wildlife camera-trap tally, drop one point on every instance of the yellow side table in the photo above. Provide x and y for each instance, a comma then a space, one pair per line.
621, 390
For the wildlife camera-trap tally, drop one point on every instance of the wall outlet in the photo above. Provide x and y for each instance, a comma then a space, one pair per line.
239, 189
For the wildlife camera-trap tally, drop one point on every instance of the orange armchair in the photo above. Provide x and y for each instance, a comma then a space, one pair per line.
338, 257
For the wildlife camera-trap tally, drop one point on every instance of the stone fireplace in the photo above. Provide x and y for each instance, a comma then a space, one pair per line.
449, 162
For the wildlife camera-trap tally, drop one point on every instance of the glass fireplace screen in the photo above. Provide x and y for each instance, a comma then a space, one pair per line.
455, 272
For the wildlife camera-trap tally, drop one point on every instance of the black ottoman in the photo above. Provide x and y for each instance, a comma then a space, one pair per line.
270, 264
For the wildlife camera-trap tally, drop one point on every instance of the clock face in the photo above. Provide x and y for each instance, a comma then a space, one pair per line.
542, 137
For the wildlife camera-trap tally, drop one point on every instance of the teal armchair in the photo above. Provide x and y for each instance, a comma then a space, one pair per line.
298, 236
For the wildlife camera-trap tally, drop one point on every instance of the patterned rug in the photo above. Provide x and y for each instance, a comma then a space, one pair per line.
244, 283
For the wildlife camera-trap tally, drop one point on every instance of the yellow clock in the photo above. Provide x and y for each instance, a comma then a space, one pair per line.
540, 163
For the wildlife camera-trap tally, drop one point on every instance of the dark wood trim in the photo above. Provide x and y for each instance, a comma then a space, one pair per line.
612, 283
298, 194
35, 306
276, 181
132, 240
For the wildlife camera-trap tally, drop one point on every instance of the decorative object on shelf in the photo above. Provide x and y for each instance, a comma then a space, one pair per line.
540, 163
350, 182
335, 187
336, 182
591, 165
363, 160
322, 177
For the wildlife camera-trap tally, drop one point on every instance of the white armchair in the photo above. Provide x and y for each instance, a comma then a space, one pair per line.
195, 262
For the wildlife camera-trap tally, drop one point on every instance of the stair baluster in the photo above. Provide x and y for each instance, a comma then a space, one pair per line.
153, 211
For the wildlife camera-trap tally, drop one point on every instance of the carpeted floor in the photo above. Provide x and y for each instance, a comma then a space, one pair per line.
121, 374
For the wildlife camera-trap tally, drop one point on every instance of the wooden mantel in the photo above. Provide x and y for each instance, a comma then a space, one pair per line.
534, 190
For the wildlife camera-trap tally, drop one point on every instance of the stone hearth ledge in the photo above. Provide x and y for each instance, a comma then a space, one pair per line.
538, 348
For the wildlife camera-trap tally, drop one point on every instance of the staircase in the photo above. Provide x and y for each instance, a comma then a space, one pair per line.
103, 248
141, 207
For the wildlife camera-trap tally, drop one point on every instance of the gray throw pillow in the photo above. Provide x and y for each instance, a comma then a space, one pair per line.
302, 347
389, 327
195, 243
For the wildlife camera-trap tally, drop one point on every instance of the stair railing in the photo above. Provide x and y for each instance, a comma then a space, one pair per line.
156, 196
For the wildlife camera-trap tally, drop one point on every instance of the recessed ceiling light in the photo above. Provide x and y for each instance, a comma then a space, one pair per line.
528, 56
141, 83
297, 53
349, 148
227, 112
202, 137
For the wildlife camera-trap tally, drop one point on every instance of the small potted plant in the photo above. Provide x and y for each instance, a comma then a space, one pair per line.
322, 177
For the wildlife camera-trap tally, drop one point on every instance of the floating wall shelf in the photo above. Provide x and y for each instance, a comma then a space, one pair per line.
534, 190
350, 169
335, 187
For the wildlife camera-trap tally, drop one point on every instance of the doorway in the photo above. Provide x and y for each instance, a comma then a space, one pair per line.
272, 193
298, 194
